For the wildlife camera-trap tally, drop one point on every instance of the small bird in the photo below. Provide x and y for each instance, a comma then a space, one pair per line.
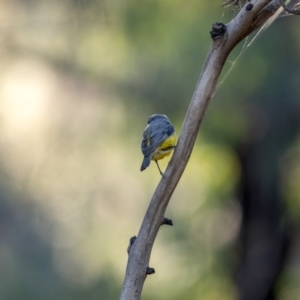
159, 140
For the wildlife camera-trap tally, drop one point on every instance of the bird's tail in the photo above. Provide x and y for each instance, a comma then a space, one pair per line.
146, 162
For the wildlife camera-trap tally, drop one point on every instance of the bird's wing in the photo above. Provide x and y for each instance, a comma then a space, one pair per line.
154, 136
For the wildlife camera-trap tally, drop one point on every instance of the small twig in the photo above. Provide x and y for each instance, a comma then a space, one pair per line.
150, 271
289, 10
236, 2
167, 221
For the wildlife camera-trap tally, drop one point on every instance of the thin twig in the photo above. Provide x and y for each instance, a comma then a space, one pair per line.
289, 10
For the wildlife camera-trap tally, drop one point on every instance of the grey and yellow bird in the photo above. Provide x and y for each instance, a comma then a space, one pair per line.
159, 140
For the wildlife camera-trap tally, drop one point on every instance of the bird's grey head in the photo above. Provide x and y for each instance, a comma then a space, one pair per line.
157, 117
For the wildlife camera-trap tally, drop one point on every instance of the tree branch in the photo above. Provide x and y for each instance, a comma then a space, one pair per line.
241, 26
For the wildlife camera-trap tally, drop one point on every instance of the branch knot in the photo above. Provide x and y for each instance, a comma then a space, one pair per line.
249, 6
218, 30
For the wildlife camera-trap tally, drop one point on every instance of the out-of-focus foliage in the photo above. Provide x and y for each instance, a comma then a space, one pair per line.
78, 81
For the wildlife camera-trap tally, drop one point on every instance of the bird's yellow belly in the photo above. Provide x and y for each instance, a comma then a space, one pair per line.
165, 149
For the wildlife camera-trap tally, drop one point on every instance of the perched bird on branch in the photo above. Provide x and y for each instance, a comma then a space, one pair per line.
159, 140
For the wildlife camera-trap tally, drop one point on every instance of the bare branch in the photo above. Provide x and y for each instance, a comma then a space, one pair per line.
225, 38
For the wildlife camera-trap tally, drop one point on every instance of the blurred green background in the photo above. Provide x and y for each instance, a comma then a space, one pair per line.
78, 80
